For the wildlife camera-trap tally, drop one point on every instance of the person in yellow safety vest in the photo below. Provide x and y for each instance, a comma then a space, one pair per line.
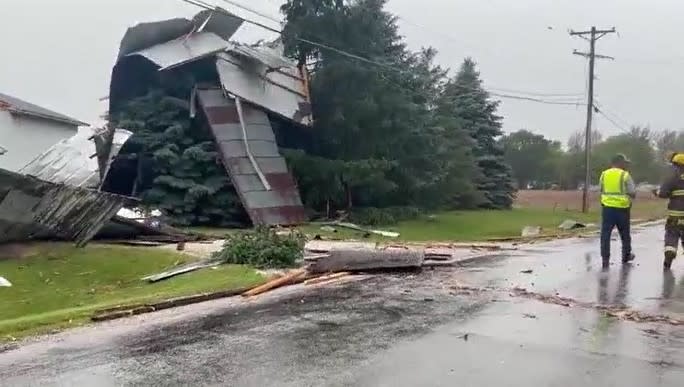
617, 192
673, 189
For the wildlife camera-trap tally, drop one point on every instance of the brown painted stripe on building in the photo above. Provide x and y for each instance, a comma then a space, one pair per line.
222, 115
286, 215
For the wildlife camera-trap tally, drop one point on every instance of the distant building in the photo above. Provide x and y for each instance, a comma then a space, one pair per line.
27, 130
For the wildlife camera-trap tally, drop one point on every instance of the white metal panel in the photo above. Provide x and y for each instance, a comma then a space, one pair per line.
183, 50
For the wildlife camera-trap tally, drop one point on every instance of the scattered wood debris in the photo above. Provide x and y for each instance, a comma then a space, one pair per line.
293, 277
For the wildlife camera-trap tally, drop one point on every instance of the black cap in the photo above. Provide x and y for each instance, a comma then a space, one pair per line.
620, 158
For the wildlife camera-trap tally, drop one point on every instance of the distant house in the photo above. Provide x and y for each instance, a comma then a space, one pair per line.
27, 130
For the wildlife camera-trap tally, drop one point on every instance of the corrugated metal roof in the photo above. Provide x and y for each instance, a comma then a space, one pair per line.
275, 203
19, 106
281, 90
183, 50
268, 55
70, 161
145, 35
35, 209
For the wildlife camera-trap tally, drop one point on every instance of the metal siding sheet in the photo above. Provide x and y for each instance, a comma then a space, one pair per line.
280, 215
32, 208
248, 183
69, 161
236, 148
281, 181
183, 49
254, 196
278, 182
265, 199
230, 132
270, 90
270, 57
241, 165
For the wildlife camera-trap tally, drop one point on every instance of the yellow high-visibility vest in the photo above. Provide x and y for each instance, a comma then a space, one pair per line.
614, 188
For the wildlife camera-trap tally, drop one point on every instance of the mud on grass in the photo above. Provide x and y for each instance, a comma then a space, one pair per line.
56, 285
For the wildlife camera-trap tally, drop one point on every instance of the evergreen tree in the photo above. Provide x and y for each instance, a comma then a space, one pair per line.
179, 170
473, 109
376, 124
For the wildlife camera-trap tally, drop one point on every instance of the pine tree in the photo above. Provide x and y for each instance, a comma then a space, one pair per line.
180, 172
474, 110
376, 124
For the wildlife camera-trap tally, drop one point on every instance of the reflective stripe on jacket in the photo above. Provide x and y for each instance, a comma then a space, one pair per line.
673, 189
614, 188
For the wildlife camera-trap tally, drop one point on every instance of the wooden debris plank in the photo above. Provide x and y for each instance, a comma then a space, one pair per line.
292, 277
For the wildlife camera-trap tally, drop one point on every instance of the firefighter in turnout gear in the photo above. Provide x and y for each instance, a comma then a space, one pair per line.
617, 192
673, 189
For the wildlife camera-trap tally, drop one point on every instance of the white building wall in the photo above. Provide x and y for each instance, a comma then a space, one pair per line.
25, 138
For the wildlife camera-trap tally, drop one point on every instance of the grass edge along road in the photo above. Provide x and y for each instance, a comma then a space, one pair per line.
472, 226
56, 285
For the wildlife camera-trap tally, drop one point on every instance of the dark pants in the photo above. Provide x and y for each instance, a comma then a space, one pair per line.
611, 218
674, 233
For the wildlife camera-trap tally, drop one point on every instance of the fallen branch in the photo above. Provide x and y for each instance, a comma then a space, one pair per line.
295, 276
361, 259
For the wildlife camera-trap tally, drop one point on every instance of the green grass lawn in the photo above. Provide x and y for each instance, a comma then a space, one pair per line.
484, 225
56, 285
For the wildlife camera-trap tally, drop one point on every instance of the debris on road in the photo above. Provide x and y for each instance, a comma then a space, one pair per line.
326, 278
293, 277
529, 315
363, 259
528, 271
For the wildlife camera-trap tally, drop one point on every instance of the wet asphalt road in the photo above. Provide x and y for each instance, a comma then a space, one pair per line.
403, 329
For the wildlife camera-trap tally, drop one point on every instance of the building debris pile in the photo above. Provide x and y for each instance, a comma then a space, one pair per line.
233, 91
236, 91
56, 196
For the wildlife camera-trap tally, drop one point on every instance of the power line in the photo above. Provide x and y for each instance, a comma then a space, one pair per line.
207, 6
594, 36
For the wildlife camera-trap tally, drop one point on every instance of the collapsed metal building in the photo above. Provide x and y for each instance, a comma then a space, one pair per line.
57, 196
246, 85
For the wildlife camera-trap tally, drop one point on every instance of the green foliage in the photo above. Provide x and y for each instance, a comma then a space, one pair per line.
534, 159
379, 139
180, 170
262, 248
467, 100
637, 145
372, 216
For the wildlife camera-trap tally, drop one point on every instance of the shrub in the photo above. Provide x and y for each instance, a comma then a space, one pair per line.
262, 248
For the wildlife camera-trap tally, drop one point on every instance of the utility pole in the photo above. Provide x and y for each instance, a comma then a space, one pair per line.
593, 36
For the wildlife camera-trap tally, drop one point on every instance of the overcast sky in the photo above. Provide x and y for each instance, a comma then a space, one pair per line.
59, 54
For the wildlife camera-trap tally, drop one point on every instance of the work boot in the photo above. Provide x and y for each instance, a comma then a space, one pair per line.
605, 265
628, 258
669, 257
